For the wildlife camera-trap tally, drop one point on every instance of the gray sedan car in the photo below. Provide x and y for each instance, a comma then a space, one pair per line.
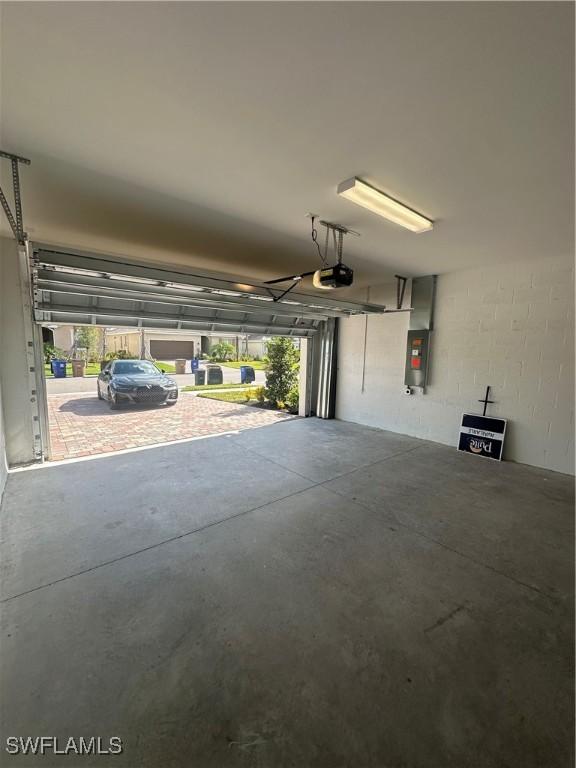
135, 382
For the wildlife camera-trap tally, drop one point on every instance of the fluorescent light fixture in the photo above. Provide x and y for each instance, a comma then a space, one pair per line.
363, 194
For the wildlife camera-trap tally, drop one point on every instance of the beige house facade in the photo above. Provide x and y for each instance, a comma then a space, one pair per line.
161, 344
63, 336
170, 345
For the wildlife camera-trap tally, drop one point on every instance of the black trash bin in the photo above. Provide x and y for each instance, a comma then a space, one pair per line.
199, 377
215, 375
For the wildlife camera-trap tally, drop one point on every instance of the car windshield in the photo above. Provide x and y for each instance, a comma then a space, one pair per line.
135, 367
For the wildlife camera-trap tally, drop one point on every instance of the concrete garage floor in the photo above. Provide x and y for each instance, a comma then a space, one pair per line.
309, 594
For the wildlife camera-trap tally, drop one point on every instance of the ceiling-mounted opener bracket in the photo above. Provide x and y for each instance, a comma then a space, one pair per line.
338, 231
14, 218
339, 228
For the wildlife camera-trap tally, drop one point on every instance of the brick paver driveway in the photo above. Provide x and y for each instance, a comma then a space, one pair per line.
82, 425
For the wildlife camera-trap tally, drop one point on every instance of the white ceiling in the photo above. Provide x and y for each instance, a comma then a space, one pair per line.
203, 132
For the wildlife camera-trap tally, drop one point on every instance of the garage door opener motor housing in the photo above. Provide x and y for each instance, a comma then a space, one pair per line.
338, 276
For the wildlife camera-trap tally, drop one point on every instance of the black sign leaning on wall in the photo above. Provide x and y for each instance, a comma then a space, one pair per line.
482, 435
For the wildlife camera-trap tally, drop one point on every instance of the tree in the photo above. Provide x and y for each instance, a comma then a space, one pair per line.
282, 370
223, 351
89, 338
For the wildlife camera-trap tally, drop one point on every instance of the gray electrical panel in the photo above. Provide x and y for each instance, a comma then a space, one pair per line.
417, 353
421, 326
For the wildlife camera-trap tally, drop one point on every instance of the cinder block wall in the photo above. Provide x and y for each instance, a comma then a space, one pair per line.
510, 326
3, 461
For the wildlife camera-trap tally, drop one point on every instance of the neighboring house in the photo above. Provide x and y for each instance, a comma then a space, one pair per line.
156, 344
252, 345
255, 346
170, 345
63, 337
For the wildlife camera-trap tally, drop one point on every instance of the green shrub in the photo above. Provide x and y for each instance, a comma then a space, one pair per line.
260, 394
53, 353
120, 354
222, 352
282, 370
293, 399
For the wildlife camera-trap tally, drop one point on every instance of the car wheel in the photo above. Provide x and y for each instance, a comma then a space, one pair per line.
111, 401
99, 393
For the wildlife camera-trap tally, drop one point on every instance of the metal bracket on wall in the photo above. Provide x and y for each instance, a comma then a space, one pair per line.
400, 290
14, 218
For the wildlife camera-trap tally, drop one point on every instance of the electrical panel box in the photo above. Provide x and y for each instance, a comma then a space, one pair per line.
417, 355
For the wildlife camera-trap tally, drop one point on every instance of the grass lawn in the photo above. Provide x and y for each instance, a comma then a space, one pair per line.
93, 369
258, 365
169, 367
242, 397
212, 387
245, 396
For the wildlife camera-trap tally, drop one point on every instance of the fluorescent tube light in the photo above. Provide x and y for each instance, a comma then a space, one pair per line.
363, 194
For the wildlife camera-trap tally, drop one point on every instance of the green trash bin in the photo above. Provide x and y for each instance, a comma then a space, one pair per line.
199, 378
215, 375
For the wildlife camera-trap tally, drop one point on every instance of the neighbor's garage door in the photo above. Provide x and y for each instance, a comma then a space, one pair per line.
171, 350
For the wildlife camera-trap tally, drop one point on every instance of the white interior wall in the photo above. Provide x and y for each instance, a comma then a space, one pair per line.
17, 409
510, 327
3, 462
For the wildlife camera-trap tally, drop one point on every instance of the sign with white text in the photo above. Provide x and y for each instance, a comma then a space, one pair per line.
482, 435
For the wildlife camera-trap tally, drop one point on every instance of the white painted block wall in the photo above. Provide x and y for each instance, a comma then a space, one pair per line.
3, 462
511, 327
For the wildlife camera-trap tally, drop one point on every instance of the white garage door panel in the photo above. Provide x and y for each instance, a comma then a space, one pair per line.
91, 289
